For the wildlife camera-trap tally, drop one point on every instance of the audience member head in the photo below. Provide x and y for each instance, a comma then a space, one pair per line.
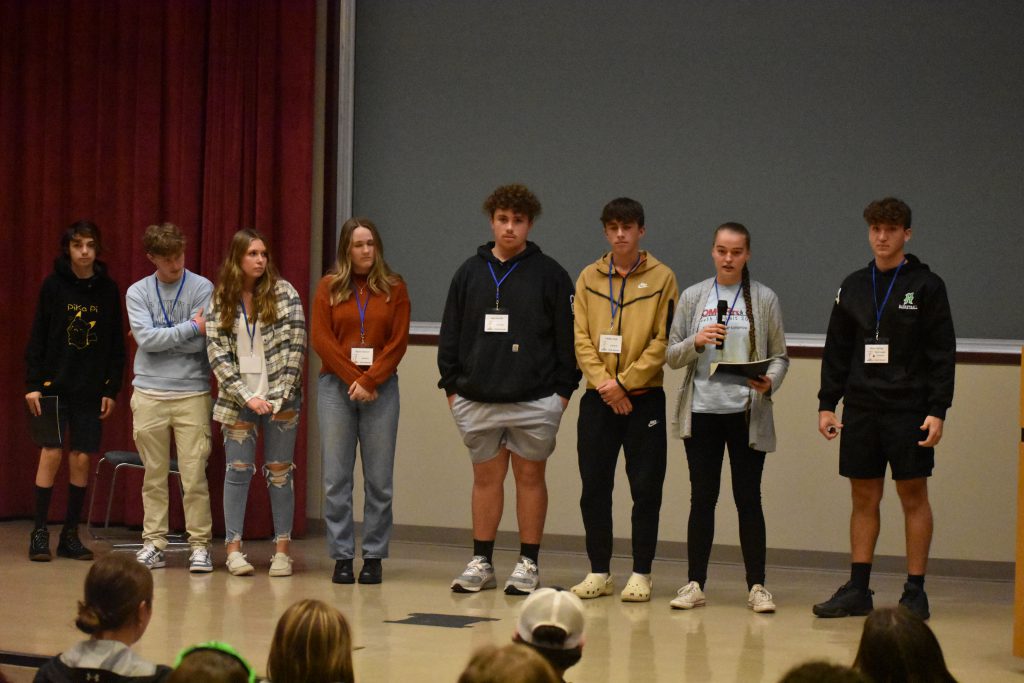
509, 664
897, 646
551, 622
211, 662
823, 672
118, 600
312, 643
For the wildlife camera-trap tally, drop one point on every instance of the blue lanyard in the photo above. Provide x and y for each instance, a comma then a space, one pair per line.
874, 295
497, 282
617, 305
362, 313
734, 300
176, 296
248, 331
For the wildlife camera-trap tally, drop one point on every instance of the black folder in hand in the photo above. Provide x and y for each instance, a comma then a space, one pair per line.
738, 373
46, 425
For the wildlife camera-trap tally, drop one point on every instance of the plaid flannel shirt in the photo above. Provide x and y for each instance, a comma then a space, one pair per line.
284, 346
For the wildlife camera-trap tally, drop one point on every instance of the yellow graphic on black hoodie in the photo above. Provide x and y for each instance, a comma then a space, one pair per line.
80, 332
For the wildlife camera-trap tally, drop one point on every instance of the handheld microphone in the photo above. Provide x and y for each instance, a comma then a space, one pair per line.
723, 310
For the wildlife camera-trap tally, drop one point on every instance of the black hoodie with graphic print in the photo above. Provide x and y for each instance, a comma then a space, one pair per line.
918, 327
76, 348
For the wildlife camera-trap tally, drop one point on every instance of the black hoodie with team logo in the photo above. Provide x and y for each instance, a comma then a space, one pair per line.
76, 348
918, 327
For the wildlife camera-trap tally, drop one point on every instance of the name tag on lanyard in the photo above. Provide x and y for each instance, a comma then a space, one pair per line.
610, 343
496, 320
876, 351
362, 355
250, 363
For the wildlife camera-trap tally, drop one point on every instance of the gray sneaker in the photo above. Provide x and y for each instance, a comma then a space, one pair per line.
151, 557
524, 578
199, 561
477, 576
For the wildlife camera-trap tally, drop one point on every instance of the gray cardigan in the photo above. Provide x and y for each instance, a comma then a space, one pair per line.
771, 342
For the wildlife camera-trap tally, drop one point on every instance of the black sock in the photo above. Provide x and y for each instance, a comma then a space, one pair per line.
76, 497
916, 579
43, 496
370, 561
860, 575
484, 549
530, 550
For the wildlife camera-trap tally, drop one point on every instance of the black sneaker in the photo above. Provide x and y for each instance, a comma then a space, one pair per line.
343, 572
916, 600
846, 602
372, 572
39, 545
70, 547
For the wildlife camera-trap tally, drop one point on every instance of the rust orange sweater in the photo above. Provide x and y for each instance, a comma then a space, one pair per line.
335, 330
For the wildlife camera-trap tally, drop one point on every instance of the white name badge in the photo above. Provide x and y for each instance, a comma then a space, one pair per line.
250, 364
362, 355
876, 353
496, 322
610, 343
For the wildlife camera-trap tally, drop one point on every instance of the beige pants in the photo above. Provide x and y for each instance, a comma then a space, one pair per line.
154, 422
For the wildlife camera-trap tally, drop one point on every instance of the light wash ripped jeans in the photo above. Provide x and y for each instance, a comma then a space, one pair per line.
374, 427
279, 433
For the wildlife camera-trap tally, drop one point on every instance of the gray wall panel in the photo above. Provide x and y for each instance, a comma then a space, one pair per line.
786, 116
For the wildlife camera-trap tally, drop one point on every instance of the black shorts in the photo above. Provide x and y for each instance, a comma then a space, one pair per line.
870, 439
80, 425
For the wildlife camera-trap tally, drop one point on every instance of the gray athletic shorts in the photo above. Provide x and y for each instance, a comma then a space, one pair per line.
527, 429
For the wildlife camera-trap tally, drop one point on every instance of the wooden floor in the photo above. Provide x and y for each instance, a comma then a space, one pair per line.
625, 642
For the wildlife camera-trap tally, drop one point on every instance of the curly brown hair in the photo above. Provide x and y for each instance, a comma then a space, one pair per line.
164, 239
890, 211
517, 198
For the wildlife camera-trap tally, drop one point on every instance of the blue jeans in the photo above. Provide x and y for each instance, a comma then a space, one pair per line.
279, 432
343, 422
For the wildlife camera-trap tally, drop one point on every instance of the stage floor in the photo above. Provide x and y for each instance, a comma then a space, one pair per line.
625, 642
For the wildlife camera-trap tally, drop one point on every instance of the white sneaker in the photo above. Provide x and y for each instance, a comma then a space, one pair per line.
238, 565
688, 597
199, 561
594, 586
280, 565
477, 576
524, 578
151, 557
760, 599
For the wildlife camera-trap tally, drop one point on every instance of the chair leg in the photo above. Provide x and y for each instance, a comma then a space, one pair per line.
92, 498
110, 498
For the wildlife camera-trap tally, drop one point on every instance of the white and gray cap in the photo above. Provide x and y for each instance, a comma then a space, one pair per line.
551, 607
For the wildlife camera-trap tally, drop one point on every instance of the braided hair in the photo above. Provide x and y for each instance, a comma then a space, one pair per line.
742, 230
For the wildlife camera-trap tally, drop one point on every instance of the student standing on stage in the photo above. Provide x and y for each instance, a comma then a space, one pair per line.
890, 355
76, 352
361, 332
507, 365
712, 414
624, 303
256, 349
171, 393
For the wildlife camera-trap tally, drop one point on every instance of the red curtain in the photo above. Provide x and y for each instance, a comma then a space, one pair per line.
129, 113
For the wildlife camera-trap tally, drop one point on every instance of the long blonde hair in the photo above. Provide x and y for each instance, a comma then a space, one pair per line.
379, 279
312, 642
228, 293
